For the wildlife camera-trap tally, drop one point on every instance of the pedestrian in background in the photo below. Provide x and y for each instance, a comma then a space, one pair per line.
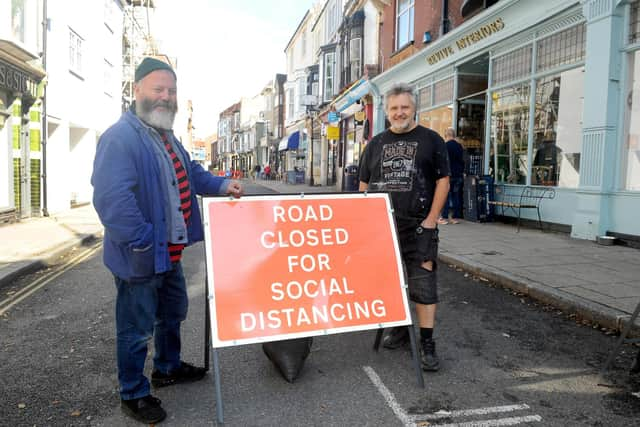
144, 193
410, 162
455, 151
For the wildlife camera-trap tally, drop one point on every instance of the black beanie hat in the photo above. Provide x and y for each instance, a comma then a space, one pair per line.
149, 65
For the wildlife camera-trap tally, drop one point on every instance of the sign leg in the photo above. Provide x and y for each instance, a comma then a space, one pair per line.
207, 330
415, 355
216, 373
376, 344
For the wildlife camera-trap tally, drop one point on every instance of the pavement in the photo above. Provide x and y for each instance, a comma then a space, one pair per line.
597, 283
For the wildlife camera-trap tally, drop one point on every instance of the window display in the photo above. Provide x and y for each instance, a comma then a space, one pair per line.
558, 129
509, 134
632, 146
438, 119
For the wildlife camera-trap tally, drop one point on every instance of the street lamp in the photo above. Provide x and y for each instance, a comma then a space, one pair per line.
312, 114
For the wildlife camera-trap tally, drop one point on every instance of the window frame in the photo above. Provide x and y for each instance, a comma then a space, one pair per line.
631, 62
328, 89
355, 59
410, 30
75, 52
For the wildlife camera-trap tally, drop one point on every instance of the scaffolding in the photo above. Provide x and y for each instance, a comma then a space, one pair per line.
137, 42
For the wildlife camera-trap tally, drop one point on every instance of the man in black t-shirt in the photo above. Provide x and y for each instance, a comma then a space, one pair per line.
410, 162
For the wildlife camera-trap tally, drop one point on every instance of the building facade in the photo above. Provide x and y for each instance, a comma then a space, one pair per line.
542, 93
21, 101
84, 62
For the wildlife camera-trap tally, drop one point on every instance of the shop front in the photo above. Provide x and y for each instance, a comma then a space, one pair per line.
291, 152
354, 111
21, 158
528, 87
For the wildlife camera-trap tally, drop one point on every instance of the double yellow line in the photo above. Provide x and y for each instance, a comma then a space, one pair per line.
16, 298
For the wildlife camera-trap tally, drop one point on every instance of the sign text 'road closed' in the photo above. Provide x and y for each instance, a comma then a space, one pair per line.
283, 266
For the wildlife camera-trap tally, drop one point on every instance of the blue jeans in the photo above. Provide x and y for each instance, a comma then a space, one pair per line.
153, 306
454, 201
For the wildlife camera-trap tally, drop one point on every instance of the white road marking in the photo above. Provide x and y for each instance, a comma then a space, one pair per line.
411, 420
470, 412
512, 421
388, 397
25, 292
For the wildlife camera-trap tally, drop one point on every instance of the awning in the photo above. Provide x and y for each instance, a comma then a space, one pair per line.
290, 143
351, 95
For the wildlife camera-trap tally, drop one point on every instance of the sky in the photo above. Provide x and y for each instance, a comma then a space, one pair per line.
225, 49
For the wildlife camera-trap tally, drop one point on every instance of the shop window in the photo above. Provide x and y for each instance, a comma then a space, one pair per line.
404, 23
438, 119
632, 145
424, 98
558, 129
512, 66
443, 91
509, 134
565, 47
469, 84
634, 22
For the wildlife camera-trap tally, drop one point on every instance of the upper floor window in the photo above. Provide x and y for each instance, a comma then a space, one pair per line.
75, 52
290, 103
404, 22
17, 20
333, 16
329, 75
355, 58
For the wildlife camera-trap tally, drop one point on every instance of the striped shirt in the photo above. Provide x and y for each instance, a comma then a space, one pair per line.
175, 250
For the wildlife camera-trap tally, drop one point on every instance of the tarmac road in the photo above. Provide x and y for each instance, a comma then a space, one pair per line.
504, 358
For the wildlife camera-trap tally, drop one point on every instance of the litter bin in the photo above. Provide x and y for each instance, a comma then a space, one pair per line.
351, 181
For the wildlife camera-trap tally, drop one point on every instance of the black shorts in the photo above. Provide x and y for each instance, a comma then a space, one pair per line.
417, 245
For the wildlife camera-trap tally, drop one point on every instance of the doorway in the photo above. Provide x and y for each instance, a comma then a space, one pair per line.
473, 80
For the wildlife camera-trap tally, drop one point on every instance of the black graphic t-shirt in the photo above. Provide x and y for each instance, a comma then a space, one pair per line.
407, 166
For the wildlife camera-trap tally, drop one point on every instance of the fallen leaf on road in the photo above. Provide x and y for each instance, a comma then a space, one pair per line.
76, 413
506, 335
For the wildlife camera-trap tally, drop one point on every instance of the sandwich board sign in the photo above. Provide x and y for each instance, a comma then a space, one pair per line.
291, 266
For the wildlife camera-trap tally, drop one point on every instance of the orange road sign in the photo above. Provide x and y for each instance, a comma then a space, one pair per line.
283, 267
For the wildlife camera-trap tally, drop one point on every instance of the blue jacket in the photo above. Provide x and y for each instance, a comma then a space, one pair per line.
130, 203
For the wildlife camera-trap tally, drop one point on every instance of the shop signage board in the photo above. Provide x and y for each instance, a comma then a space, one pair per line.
333, 132
333, 117
285, 266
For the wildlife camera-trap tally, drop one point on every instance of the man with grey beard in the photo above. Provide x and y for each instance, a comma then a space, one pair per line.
145, 188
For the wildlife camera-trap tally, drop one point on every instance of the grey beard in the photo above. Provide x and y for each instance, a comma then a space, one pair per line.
158, 119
